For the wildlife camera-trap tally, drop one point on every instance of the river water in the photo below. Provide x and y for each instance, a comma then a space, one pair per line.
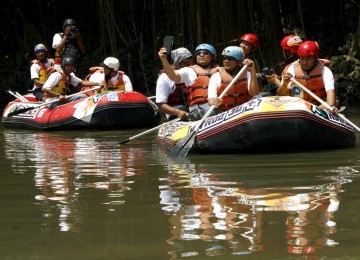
81, 195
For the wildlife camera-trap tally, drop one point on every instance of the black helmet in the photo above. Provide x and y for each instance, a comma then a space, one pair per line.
67, 61
69, 21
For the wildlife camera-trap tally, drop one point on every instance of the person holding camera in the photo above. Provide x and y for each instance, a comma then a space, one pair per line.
170, 96
244, 88
68, 43
195, 77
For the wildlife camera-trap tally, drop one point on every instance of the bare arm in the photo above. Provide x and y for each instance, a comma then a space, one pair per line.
165, 108
168, 69
254, 85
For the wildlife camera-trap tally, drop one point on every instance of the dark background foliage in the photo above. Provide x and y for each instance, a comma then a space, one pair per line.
133, 31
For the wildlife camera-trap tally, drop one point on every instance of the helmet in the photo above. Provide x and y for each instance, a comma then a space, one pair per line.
40, 47
69, 21
308, 48
111, 62
67, 61
180, 54
234, 51
250, 38
205, 46
291, 43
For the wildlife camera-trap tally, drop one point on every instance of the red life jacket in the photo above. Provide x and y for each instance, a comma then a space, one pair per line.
238, 93
177, 97
197, 93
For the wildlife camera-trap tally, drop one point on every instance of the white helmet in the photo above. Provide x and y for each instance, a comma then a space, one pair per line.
111, 62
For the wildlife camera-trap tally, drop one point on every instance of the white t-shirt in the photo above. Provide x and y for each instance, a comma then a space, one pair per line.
327, 77
56, 41
164, 87
55, 77
215, 82
100, 77
35, 69
188, 75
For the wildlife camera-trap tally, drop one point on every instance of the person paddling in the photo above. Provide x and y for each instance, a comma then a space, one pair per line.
243, 89
312, 73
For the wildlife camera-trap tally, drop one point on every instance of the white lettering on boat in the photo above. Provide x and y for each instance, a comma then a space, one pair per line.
216, 120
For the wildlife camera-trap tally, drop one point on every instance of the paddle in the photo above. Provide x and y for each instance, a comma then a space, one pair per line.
18, 96
183, 146
16, 112
322, 102
147, 131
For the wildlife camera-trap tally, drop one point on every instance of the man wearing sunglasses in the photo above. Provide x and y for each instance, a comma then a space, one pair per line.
244, 88
196, 77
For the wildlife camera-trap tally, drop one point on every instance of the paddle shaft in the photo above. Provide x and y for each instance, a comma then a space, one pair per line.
147, 131
243, 69
16, 112
322, 102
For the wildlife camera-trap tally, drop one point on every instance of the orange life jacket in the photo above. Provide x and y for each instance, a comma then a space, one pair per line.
238, 93
118, 85
312, 81
197, 93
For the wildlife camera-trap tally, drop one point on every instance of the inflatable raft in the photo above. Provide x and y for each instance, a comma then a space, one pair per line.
267, 124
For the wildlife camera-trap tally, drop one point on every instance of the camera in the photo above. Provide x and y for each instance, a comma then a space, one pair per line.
267, 72
74, 30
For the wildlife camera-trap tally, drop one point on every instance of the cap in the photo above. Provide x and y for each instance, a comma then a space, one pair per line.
180, 54
111, 62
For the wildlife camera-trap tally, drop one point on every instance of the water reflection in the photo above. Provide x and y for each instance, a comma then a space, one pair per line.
65, 167
212, 213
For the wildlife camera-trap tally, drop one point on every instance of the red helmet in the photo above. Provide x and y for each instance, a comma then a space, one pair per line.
308, 49
250, 38
291, 43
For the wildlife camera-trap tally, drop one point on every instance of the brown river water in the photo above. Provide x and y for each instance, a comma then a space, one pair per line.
81, 195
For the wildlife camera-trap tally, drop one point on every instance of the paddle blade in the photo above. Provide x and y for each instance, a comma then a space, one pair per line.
16, 112
125, 141
182, 148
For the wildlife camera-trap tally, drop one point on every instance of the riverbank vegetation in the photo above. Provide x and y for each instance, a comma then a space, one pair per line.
133, 31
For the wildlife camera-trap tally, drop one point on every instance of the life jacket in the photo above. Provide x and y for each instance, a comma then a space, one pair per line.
238, 94
197, 93
178, 96
44, 71
70, 49
92, 70
118, 85
312, 81
63, 86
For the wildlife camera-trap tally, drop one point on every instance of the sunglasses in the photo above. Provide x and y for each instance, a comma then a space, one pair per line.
229, 58
188, 63
203, 53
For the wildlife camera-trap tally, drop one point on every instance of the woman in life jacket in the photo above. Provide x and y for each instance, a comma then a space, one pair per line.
242, 90
171, 96
312, 74
39, 70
